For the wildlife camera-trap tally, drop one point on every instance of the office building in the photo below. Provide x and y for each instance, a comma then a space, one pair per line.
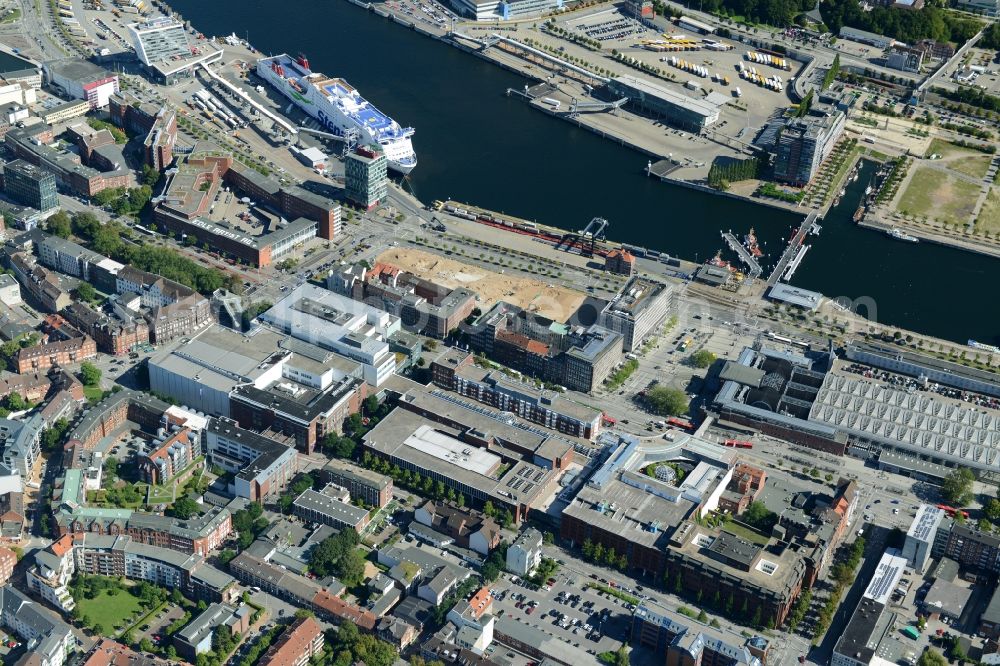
638, 310
162, 45
10, 292
35, 144
421, 305
872, 633
370, 487
473, 451
577, 357
547, 408
677, 108
621, 261
83, 80
904, 58
342, 325
921, 535
30, 185
803, 144
328, 508
686, 641
366, 179
261, 467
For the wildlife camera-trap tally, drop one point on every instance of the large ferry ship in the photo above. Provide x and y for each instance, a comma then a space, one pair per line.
339, 107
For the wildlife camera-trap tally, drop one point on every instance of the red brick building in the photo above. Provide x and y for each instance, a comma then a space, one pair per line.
62, 352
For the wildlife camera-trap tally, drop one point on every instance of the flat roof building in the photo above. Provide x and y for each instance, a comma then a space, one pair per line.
326, 507
676, 107
638, 310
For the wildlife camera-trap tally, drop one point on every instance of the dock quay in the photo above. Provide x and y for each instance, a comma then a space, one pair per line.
662, 169
753, 268
792, 251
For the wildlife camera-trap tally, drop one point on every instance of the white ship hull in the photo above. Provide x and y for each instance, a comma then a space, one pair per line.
339, 108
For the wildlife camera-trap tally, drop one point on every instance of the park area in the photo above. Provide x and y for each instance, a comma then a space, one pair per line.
959, 159
109, 612
988, 221
935, 195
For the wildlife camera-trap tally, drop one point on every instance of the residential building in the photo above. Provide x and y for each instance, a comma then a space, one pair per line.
46, 355
299, 590
989, 620
10, 292
122, 556
473, 622
7, 561
35, 144
107, 652
370, 487
48, 640
803, 144
30, 185
73, 259
525, 553
196, 637
170, 457
468, 528
50, 577
437, 585
262, 467
327, 508
21, 442
366, 178
296, 645
117, 332
83, 80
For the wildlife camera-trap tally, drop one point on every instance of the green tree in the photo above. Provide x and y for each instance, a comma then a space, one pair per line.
184, 508
59, 224
489, 510
90, 374
86, 292
932, 657
703, 616
957, 487
146, 645
992, 510
667, 401
702, 358
758, 516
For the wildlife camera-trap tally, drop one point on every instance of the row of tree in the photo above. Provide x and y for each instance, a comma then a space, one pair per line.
906, 25
721, 174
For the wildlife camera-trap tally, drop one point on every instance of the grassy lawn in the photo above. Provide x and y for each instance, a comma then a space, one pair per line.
961, 160
937, 196
109, 611
160, 495
989, 217
744, 533
93, 393
12, 16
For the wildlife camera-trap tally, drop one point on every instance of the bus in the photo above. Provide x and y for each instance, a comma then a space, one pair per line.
950, 511
738, 444
680, 423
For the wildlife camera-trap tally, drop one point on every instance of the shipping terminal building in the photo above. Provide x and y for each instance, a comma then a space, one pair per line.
910, 413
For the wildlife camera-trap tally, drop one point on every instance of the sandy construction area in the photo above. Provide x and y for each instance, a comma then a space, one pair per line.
556, 303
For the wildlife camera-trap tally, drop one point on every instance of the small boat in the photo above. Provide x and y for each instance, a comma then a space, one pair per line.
899, 234
859, 213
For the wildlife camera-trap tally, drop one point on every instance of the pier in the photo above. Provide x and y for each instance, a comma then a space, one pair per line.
792, 251
794, 264
753, 268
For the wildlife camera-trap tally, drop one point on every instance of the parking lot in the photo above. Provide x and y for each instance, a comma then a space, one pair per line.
569, 611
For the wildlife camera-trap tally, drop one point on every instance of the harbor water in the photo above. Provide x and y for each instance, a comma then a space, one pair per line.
475, 144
